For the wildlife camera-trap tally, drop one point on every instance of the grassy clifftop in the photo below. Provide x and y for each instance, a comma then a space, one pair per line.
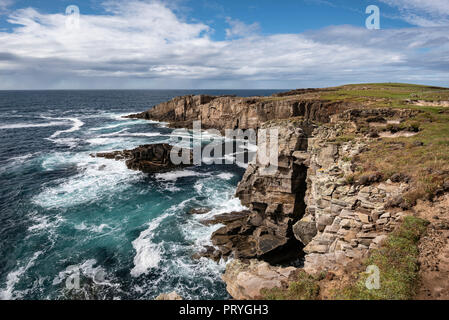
376, 94
415, 150
405, 133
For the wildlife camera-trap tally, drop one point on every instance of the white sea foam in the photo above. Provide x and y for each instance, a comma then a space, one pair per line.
87, 269
173, 176
198, 235
56, 159
92, 228
33, 125
21, 159
71, 142
102, 141
170, 187
220, 199
14, 277
98, 178
148, 254
16, 163
77, 124
112, 134
120, 141
44, 223
124, 133
142, 134
123, 123
225, 176
242, 165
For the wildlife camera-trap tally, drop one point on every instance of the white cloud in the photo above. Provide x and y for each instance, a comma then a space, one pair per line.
433, 6
424, 13
145, 45
241, 29
4, 5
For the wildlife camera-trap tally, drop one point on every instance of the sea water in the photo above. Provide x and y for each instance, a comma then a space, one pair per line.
124, 234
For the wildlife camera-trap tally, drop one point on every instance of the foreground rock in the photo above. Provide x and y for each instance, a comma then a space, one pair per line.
169, 296
225, 241
151, 158
246, 281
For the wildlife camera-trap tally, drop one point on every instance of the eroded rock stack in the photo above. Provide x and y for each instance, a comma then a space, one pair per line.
151, 158
275, 200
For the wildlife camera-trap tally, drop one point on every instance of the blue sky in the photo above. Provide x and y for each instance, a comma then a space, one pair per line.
221, 43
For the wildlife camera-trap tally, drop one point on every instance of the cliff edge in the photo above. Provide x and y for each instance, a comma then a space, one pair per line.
354, 163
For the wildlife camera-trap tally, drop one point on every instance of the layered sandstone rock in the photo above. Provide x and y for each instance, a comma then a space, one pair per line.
340, 219
169, 296
152, 158
246, 280
275, 200
343, 218
228, 112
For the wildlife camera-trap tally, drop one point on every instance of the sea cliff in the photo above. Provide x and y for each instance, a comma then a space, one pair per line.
331, 203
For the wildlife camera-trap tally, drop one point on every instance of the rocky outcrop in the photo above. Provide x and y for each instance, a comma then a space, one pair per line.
343, 218
199, 211
152, 158
246, 280
227, 218
228, 112
169, 296
339, 220
275, 200
229, 238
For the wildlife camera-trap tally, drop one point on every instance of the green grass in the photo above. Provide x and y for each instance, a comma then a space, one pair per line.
305, 287
388, 92
423, 157
397, 261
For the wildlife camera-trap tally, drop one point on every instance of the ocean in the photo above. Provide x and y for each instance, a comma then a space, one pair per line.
65, 215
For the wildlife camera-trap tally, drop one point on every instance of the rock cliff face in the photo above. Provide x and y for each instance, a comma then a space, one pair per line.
339, 220
276, 201
238, 113
342, 219
309, 208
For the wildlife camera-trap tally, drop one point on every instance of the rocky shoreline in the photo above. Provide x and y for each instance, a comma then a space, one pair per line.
310, 210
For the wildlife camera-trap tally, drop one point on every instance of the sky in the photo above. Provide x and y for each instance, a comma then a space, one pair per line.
220, 44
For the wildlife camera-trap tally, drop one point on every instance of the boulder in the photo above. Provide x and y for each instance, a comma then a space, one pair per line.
169, 296
305, 229
246, 280
199, 211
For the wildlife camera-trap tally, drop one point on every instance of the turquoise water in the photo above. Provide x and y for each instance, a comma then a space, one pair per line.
62, 212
